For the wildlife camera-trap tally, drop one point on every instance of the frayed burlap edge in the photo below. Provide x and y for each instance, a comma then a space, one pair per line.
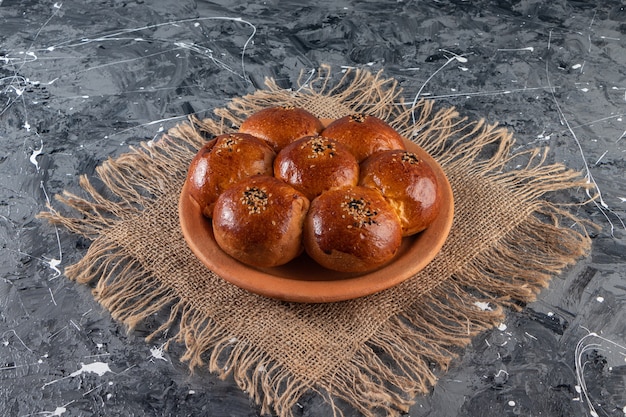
402, 357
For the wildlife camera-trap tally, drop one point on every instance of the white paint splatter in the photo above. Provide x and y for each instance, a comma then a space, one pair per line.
530, 335
543, 136
512, 403
576, 66
73, 323
35, 154
502, 327
528, 48
483, 306
600, 299
601, 156
584, 345
501, 371
455, 57
98, 368
157, 353
599, 200
52, 296
58, 411
53, 264
5, 342
584, 90
461, 59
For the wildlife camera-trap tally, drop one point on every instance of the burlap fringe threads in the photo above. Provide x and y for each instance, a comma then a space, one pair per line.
398, 360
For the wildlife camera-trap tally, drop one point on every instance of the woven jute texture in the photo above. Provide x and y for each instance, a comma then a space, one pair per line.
374, 353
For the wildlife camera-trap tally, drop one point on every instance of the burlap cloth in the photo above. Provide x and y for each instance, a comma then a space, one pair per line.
375, 353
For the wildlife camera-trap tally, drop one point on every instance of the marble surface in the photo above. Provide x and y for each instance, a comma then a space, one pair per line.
81, 81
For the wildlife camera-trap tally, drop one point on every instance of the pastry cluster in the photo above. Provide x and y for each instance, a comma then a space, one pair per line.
283, 184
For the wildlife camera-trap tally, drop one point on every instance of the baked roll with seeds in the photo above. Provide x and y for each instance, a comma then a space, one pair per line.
279, 126
409, 185
352, 229
364, 135
315, 164
224, 161
259, 221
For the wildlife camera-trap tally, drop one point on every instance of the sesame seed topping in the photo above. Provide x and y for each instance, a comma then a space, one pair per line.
229, 142
358, 117
320, 146
358, 209
255, 199
410, 158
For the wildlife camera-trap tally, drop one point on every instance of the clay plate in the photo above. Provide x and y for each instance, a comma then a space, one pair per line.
303, 280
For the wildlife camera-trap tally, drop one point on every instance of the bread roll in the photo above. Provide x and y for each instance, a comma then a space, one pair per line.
364, 135
259, 221
224, 161
279, 126
315, 164
352, 229
409, 185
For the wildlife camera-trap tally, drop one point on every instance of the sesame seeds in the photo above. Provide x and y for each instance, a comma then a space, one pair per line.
358, 117
228, 143
320, 146
358, 209
410, 157
255, 199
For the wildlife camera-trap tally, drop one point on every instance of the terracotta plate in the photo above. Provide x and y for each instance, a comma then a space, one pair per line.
303, 280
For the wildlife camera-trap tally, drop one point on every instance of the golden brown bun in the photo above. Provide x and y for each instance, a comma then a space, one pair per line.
259, 221
364, 135
408, 184
315, 164
352, 229
279, 126
223, 162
